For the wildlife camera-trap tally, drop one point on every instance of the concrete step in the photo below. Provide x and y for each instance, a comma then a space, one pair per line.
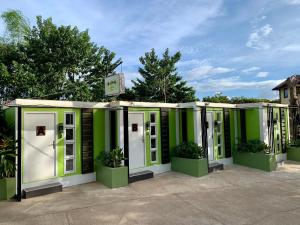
215, 166
143, 175
42, 190
280, 163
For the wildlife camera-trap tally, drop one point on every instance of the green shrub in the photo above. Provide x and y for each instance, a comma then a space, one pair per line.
113, 158
189, 150
254, 146
7, 157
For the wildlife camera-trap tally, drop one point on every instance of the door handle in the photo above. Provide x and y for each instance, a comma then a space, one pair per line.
53, 144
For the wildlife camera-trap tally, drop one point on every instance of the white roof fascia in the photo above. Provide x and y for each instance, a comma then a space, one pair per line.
143, 104
57, 103
261, 104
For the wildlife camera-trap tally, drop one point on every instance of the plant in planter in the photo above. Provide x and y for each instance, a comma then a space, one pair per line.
109, 169
254, 146
255, 154
7, 168
189, 158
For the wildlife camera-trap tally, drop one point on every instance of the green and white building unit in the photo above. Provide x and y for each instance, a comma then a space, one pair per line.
59, 141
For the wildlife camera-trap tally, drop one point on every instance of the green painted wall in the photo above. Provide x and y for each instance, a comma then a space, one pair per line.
147, 112
232, 130
252, 124
59, 139
99, 131
172, 131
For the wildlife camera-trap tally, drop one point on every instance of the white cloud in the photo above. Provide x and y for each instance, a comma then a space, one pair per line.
129, 76
205, 71
258, 38
233, 83
251, 69
292, 48
262, 74
293, 2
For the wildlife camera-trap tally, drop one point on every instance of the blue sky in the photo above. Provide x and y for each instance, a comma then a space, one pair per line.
237, 47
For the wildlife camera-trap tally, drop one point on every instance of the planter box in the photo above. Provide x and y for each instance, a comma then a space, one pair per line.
192, 167
7, 188
260, 160
112, 177
293, 153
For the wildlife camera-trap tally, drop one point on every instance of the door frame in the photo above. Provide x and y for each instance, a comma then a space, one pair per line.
144, 140
212, 130
55, 146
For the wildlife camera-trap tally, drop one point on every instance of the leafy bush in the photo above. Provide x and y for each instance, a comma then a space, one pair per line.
254, 146
7, 157
189, 150
113, 158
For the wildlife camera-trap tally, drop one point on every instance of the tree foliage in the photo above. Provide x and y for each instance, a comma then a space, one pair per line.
17, 26
160, 80
55, 62
218, 98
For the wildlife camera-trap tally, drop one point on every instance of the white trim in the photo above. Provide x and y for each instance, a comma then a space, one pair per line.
66, 181
156, 169
107, 130
73, 126
143, 104
153, 136
77, 104
120, 128
264, 126
197, 126
57, 103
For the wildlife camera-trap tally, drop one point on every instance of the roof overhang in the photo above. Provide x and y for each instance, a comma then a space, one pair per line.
143, 104
56, 104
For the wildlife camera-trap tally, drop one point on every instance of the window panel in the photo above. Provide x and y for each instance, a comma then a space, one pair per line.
69, 149
153, 130
69, 119
153, 117
69, 165
285, 93
153, 142
69, 134
220, 150
153, 156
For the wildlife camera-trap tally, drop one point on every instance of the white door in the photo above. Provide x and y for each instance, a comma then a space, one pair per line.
136, 140
39, 146
210, 136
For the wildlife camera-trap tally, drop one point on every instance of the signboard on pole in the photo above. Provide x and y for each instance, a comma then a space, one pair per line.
115, 84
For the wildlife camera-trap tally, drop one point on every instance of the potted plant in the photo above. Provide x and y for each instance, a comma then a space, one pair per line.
189, 158
7, 168
110, 169
255, 154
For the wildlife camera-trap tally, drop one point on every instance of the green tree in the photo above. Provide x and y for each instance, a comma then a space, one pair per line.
16, 26
161, 81
219, 98
55, 62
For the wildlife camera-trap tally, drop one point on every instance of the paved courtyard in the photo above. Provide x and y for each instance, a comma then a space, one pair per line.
237, 195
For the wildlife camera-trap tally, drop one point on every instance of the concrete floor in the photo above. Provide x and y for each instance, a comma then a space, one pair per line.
237, 195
